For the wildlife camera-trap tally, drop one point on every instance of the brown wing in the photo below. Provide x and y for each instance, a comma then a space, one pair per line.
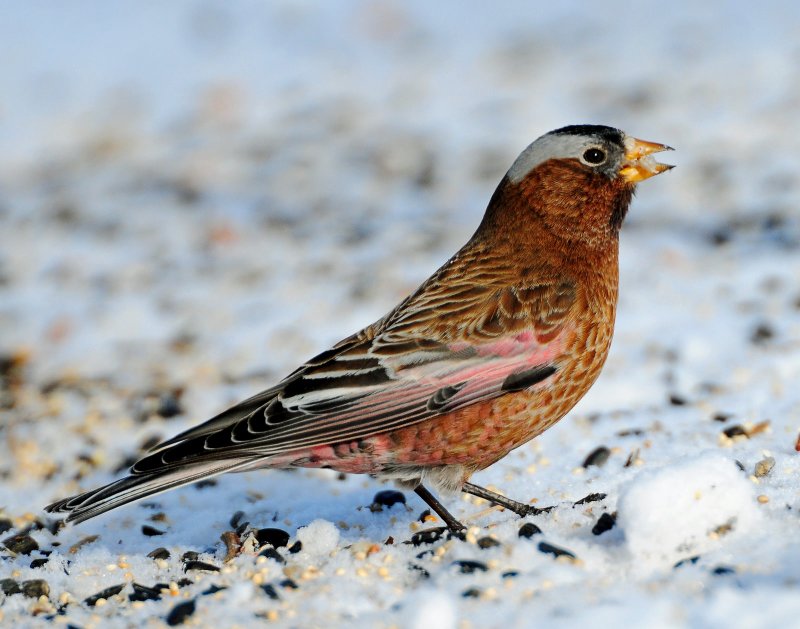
466, 335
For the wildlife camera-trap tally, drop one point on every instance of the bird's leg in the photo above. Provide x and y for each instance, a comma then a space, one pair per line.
495, 498
453, 524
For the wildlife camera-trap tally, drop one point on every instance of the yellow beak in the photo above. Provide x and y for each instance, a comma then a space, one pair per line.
638, 164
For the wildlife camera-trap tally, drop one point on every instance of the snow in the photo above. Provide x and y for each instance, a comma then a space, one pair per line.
196, 196
708, 495
430, 609
319, 537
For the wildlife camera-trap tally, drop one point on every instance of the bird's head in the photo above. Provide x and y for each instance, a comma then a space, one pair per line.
593, 150
576, 182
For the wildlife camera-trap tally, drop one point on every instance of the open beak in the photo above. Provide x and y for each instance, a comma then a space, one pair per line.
638, 164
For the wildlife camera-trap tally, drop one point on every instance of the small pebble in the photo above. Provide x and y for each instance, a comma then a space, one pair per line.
189, 555
735, 431
605, 523
687, 561
762, 334
169, 405
764, 466
213, 589
597, 457
5, 525
549, 549
467, 566
9, 587
270, 591
271, 553
194, 564
677, 400
510, 574
38, 563
763, 499
180, 613
21, 544
277, 538
720, 236
387, 498
590, 498
471, 593
35, 588
721, 570
487, 542
104, 594
528, 530
159, 553
289, 584
151, 531
144, 593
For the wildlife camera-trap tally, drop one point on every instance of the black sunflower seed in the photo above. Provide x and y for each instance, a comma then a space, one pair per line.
549, 549
277, 538
180, 613
528, 530
105, 594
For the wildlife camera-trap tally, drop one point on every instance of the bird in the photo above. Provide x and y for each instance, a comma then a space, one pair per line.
489, 352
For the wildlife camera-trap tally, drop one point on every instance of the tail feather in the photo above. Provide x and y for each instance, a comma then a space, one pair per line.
92, 503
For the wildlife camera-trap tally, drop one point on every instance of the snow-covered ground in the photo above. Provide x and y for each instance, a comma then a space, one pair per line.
197, 195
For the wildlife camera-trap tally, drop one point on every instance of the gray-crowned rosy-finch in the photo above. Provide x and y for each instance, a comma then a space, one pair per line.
488, 353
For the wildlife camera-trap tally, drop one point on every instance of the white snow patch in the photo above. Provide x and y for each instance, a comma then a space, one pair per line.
685, 508
430, 609
319, 538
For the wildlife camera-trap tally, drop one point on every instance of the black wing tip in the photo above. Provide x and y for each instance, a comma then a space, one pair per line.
521, 380
73, 513
61, 508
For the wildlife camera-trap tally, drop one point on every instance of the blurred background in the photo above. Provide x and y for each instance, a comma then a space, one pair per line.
242, 175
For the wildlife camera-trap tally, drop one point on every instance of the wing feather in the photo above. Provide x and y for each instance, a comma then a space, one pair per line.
463, 337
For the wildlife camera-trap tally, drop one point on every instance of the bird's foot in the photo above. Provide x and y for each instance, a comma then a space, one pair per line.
521, 509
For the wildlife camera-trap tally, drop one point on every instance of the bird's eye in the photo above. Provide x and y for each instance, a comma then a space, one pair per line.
594, 156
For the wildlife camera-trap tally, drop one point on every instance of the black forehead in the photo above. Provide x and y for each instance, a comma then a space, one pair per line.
609, 134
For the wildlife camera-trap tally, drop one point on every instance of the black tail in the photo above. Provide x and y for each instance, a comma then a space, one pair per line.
137, 486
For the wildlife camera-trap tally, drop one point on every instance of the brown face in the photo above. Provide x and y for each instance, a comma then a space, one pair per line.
575, 201
574, 185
